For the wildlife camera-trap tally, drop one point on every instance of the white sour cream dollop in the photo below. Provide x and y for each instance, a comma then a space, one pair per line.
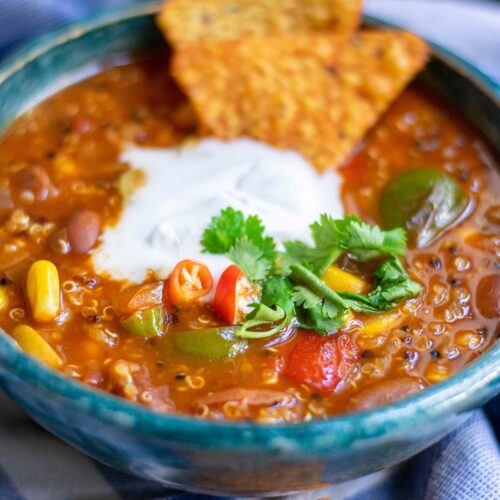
163, 221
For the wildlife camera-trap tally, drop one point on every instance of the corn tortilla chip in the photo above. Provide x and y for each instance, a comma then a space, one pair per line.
314, 93
189, 21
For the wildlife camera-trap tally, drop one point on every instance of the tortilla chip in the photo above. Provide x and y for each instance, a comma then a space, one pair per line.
314, 93
189, 21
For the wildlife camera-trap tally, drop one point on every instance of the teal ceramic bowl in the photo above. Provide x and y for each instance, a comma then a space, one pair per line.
217, 457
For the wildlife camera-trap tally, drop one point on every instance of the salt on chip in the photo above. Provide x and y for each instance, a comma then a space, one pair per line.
314, 93
190, 21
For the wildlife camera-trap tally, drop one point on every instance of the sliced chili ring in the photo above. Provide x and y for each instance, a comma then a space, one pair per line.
188, 282
233, 294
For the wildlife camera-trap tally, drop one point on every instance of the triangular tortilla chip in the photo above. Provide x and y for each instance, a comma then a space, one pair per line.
317, 94
190, 21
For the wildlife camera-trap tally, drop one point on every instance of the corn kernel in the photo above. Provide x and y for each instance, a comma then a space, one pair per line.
468, 340
437, 372
32, 343
130, 181
42, 289
378, 324
4, 300
342, 281
65, 166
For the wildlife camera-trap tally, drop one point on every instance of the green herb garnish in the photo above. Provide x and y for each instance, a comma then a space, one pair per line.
291, 281
393, 285
332, 237
243, 240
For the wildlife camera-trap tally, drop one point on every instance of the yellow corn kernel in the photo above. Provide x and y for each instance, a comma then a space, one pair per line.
342, 281
42, 289
4, 300
468, 340
65, 166
32, 343
379, 323
130, 181
437, 372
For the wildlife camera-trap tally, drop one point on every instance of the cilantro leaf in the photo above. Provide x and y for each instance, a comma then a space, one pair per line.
243, 240
329, 231
324, 318
302, 276
332, 311
254, 230
250, 258
223, 231
304, 297
318, 259
326, 250
276, 306
318, 307
332, 237
262, 315
370, 242
277, 291
393, 285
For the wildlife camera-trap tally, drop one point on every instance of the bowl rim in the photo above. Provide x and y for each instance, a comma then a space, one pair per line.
471, 386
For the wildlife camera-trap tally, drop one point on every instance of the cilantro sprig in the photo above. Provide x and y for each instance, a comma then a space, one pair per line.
393, 285
243, 240
291, 283
332, 237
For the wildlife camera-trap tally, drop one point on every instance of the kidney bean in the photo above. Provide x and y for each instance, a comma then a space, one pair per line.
83, 229
37, 180
5, 199
251, 397
385, 392
488, 296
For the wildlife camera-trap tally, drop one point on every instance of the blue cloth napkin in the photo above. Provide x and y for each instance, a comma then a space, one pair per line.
465, 465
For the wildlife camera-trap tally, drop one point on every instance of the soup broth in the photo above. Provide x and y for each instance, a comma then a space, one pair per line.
63, 157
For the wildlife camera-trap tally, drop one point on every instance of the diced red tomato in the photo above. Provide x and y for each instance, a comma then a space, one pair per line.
138, 298
188, 282
322, 363
226, 294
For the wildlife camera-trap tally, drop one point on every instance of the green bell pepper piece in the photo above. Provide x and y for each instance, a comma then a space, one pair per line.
147, 324
425, 201
211, 343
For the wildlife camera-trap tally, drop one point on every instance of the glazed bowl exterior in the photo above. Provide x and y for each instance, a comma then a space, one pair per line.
223, 457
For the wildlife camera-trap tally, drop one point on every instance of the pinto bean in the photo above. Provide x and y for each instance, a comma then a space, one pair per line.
83, 228
37, 180
250, 397
385, 392
488, 296
5, 199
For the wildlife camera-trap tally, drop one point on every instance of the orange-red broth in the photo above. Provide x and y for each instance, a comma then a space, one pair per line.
76, 137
